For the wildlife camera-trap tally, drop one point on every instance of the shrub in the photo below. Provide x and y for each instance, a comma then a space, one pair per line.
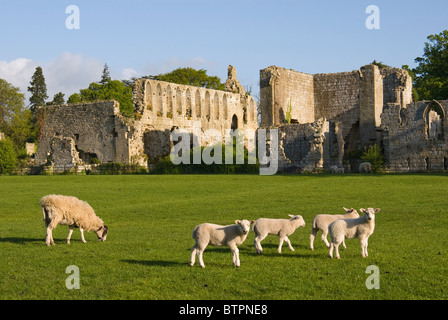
8, 157
374, 156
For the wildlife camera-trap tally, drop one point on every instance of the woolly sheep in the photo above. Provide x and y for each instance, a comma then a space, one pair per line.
336, 169
281, 227
322, 221
217, 235
365, 167
72, 212
360, 228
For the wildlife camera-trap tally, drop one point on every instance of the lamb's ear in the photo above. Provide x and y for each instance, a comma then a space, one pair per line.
252, 221
291, 216
237, 221
362, 210
377, 209
345, 208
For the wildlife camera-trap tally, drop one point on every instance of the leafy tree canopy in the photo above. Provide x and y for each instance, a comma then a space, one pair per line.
192, 77
11, 101
431, 75
110, 90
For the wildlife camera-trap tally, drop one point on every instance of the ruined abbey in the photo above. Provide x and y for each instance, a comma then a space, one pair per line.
323, 120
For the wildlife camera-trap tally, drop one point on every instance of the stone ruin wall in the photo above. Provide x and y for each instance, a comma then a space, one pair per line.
415, 136
280, 87
74, 134
352, 101
164, 106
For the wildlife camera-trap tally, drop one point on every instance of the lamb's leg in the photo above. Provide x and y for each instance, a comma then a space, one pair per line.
199, 253
324, 237
82, 235
330, 253
193, 255
312, 236
236, 256
257, 243
70, 231
363, 248
281, 239
289, 244
336, 247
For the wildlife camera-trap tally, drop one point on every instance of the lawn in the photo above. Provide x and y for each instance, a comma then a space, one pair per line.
151, 218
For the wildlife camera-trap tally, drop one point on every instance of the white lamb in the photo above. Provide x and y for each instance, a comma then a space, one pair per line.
365, 167
281, 227
217, 235
361, 228
336, 169
322, 221
72, 212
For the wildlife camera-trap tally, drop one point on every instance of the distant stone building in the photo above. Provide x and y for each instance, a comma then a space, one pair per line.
334, 116
74, 134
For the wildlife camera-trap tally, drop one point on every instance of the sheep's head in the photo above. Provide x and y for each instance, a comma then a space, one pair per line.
102, 233
369, 213
300, 221
244, 225
351, 213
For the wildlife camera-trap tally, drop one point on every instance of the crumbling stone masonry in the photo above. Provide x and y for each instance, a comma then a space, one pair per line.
75, 134
349, 102
415, 136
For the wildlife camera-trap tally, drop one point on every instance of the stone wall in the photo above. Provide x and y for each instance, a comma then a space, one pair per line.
74, 134
415, 137
71, 134
281, 88
309, 147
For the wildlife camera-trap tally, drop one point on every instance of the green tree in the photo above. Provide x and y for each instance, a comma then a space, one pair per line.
11, 102
58, 98
38, 90
111, 90
374, 156
105, 77
191, 77
431, 74
8, 157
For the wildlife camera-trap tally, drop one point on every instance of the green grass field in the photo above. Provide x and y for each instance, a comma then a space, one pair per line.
151, 218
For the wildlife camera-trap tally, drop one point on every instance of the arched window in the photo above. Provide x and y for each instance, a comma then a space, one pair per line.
207, 105
188, 110
148, 95
198, 104
225, 107
216, 106
159, 98
434, 116
234, 125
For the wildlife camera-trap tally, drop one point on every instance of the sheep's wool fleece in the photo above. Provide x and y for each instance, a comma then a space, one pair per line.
68, 210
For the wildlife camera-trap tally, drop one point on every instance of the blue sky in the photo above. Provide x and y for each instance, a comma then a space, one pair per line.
137, 37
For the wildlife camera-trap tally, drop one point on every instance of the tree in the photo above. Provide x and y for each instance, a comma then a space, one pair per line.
105, 77
431, 74
58, 98
111, 90
191, 77
11, 102
38, 90
8, 158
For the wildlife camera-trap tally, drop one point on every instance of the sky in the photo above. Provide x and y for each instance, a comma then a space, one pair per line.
137, 38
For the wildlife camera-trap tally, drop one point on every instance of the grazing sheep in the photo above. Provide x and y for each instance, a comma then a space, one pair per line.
322, 221
336, 169
281, 227
217, 235
72, 212
360, 228
365, 167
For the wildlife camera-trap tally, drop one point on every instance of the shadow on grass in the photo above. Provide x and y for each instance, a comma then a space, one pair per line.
21, 241
155, 263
